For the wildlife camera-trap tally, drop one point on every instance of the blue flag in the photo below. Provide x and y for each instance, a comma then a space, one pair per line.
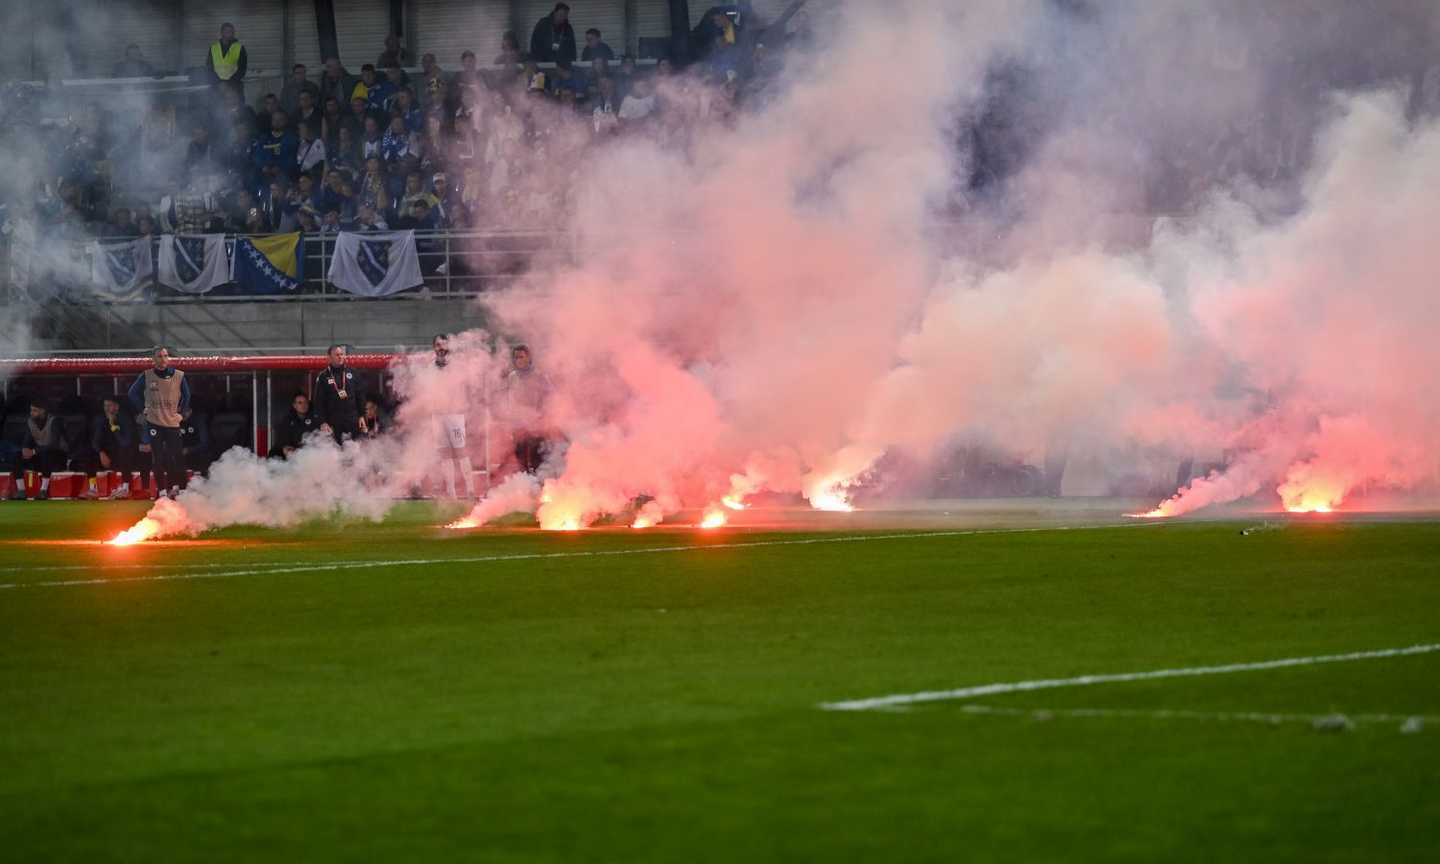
269, 265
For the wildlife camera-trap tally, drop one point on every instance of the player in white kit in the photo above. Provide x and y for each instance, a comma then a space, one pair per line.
450, 430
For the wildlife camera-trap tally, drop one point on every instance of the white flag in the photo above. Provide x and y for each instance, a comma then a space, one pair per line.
121, 270
193, 264
376, 263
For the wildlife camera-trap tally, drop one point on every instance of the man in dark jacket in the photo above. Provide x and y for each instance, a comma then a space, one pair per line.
44, 450
339, 398
293, 429
553, 39
115, 444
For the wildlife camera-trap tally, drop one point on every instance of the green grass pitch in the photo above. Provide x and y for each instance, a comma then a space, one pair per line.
663, 707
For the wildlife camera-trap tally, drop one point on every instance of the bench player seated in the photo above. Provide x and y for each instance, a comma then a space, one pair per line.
44, 450
114, 446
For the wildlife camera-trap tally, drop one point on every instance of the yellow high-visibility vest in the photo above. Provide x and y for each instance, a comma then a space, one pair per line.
226, 63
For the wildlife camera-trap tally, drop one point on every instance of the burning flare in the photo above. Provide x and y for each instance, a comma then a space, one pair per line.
167, 517
714, 518
648, 516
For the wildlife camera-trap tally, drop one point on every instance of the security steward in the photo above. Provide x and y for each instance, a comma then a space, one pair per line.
338, 400
227, 61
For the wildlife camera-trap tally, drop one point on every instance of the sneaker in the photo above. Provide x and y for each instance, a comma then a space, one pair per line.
120, 494
89, 495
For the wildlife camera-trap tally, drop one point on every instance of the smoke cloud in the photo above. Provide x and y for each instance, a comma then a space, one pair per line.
1141, 235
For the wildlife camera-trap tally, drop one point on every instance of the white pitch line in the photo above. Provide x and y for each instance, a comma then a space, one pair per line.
1183, 714
899, 699
533, 556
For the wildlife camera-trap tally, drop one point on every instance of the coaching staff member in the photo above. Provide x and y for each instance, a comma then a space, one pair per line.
339, 399
162, 396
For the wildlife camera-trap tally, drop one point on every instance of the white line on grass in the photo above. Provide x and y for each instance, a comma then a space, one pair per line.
534, 556
1182, 714
901, 699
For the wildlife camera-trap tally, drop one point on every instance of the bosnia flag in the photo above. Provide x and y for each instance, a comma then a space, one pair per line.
269, 265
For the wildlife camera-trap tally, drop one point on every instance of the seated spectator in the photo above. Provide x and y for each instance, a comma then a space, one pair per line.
359, 110
296, 84
398, 80
594, 48
376, 423
134, 65
298, 423
510, 54
145, 225
330, 222
639, 103
375, 90
568, 78
447, 195
44, 450
375, 182
114, 445
309, 152
336, 83
553, 39
393, 55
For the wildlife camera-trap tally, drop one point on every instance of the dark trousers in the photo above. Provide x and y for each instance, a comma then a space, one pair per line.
167, 450
123, 460
45, 461
530, 452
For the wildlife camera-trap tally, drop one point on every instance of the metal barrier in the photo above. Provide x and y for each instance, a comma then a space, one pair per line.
454, 264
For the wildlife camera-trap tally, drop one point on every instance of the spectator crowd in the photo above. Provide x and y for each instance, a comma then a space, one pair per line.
374, 148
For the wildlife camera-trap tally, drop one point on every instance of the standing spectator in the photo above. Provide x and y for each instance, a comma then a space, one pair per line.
395, 143
404, 103
468, 78
433, 87
307, 113
393, 55
162, 395
553, 39
298, 423
336, 83
134, 65
115, 445
596, 49
227, 60
510, 54
296, 84
525, 392
338, 395
199, 155
274, 152
331, 121
375, 90
336, 195
44, 450
275, 208
372, 143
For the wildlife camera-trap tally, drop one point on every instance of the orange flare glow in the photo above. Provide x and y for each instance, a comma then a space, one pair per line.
831, 501
714, 518
462, 524
733, 502
138, 533
642, 522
